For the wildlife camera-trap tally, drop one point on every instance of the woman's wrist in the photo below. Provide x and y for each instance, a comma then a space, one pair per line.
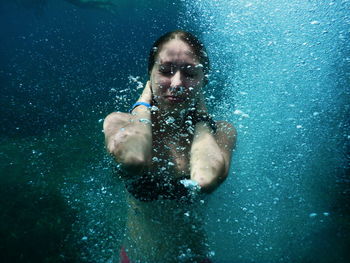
144, 103
140, 104
141, 112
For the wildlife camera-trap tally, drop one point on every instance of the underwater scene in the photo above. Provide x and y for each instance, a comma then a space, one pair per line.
280, 73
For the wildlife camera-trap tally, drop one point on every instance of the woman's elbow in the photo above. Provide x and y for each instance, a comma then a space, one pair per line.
210, 184
124, 155
218, 176
134, 160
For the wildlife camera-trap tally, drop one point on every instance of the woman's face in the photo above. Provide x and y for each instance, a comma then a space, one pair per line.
177, 76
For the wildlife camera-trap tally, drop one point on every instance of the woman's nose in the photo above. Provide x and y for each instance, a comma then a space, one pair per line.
176, 79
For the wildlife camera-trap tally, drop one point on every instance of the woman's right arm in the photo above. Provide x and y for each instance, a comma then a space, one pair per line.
129, 136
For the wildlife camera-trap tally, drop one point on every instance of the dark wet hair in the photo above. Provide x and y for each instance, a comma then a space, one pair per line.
196, 45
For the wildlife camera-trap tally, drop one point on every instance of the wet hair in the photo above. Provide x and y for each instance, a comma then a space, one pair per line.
190, 39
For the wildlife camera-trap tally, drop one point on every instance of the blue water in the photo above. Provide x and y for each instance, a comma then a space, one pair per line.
280, 74
287, 67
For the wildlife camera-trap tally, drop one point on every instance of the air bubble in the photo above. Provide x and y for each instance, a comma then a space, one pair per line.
145, 121
311, 215
170, 120
155, 159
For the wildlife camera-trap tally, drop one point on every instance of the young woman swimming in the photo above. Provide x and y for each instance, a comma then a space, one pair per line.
172, 153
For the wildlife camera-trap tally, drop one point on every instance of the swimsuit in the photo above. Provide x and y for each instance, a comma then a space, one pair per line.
148, 188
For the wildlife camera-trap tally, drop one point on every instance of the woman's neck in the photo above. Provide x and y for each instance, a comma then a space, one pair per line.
169, 124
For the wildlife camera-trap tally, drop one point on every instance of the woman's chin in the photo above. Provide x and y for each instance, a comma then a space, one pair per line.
176, 107
173, 109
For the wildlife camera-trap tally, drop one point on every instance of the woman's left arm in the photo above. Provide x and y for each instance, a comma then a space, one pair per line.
211, 154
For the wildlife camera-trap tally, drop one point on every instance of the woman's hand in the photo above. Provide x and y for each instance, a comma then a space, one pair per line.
146, 95
201, 107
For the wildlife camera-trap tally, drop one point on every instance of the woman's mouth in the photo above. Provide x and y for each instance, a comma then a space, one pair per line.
175, 99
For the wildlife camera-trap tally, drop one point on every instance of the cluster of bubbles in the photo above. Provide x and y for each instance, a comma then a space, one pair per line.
282, 66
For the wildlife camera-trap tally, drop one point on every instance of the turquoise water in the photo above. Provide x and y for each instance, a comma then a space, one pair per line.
280, 73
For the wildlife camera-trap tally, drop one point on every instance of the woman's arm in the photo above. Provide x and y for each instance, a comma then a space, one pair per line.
211, 153
129, 136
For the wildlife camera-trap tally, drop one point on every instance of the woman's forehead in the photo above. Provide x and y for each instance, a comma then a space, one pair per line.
177, 51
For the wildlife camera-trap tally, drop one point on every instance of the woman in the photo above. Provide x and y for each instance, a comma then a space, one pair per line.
173, 155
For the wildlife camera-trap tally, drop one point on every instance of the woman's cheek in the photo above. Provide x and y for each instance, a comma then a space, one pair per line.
164, 86
194, 88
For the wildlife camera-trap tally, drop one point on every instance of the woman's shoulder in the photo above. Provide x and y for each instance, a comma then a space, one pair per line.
115, 120
116, 116
225, 126
226, 132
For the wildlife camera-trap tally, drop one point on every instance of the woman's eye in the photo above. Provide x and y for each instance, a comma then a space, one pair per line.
190, 74
165, 70
190, 71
